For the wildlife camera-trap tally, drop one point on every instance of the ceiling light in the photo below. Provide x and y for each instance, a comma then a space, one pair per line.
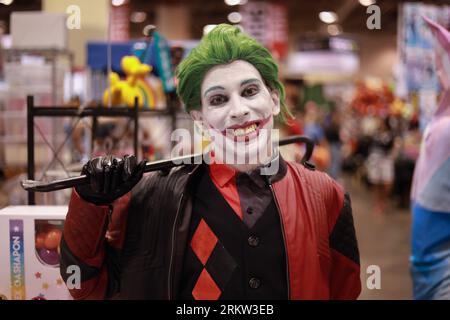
6, 2
367, 3
138, 17
117, 3
235, 2
328, 16
232, 2
234, 17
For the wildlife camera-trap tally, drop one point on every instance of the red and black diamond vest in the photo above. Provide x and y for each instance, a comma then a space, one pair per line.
225, 259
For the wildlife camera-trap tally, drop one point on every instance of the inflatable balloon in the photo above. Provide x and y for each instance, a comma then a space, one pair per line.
123, 92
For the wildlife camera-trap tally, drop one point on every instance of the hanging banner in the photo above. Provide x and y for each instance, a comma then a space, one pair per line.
160, 58
267, 23
120, 23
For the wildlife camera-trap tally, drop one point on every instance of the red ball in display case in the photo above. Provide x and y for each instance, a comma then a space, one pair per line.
52, 239
47, 238
40, 239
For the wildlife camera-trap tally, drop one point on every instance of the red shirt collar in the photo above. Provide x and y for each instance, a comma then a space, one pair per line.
221, 174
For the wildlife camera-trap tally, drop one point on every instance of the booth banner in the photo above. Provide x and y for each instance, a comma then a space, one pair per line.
120, 23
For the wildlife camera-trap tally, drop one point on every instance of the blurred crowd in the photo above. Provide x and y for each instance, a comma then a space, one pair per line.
376, 145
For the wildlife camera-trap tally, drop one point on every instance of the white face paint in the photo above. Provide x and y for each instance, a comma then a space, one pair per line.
237, 104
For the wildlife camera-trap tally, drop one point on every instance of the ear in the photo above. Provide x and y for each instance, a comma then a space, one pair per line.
275, 95
197, 117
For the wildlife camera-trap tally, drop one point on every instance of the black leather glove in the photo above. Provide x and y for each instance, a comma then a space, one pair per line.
110, 178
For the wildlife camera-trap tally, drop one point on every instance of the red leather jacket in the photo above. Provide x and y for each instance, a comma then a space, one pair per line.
134, 248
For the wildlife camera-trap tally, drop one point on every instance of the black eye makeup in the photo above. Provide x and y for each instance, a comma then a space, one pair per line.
217, 99
250, 90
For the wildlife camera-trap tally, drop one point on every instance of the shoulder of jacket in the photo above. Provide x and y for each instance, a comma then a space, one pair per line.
310, 175
164, 180
171, 173
318, 182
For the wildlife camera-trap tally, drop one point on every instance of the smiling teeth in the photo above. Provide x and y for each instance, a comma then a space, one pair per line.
250, 129
244, 131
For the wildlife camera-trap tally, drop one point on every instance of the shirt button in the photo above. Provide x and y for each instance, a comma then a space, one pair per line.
250, 210
254, 283
253, 241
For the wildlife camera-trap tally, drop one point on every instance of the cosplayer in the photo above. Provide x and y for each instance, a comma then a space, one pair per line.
219, 230
430, 258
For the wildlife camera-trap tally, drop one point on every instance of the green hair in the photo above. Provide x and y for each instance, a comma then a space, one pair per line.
223, 45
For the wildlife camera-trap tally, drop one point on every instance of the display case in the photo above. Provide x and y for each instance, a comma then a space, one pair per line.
29, 242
